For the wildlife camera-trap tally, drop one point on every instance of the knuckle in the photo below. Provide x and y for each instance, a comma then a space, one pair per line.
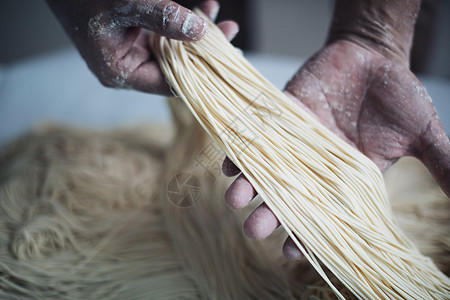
170, 13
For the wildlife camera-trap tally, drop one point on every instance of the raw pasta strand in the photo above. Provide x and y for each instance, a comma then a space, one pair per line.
328, 196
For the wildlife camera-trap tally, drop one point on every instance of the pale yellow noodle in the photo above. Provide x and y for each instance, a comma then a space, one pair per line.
328, 196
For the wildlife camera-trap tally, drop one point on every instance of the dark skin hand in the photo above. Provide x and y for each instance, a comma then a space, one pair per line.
112, 36
360, 86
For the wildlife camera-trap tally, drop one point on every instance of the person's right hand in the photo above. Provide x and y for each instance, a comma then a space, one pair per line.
111, 36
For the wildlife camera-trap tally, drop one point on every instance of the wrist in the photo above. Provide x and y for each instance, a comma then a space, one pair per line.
386, 27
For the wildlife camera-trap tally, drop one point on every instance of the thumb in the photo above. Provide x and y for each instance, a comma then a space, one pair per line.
436, 156
166, 18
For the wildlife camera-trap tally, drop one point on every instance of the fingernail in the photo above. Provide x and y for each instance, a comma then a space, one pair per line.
194, 27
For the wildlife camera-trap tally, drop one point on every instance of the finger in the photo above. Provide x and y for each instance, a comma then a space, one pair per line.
240, 193
210, 8
229, 168
164, 17
416, 117
291, 251
229, 28
149, 78
261, 223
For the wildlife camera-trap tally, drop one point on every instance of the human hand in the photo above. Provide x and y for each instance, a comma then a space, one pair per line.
112, 36
367, 95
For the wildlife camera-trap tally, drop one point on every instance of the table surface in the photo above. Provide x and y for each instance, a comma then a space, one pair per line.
58, 88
